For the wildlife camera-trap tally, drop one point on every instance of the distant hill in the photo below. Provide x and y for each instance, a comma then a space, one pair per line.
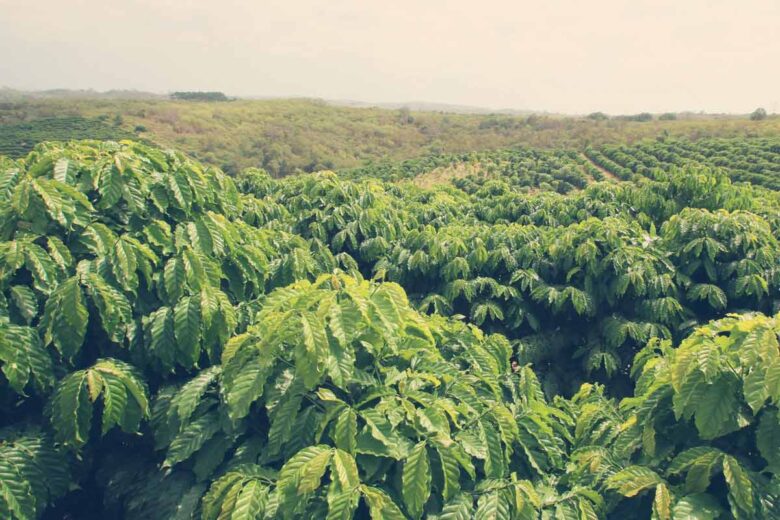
8, 94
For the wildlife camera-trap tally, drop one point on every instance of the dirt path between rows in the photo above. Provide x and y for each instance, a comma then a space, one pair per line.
608, 174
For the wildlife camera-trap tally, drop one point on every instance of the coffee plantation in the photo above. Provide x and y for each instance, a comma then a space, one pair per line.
528, 343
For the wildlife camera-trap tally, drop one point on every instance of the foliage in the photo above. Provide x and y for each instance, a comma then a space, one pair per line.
175, 343
706, 413
122, 266
606, 268
33, 472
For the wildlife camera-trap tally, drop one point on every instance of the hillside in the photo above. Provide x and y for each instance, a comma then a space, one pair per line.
293, 135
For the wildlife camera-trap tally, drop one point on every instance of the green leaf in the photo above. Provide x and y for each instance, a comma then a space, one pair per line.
416, 480
114, 399
662, 503
315, 343
179, 190
41, 266
71, 412
124, 401
717, 410
282, 420
341, 504
110, 186
767, 436
345, 430
338, 322
495, 464
209, 457
685, 459
174, 279
310, 473
755, 389
213, 499
191, 438
25, 301
632, 480
158, 233
116, 314
251, 501
343, 492
712, 293
125, 263
387, 302
492, 506
773, 380
287, 485
162, 339
195, 269
189, 396
244, 375
24, 358
697, 507
129, 378
33, 474
16, 494
450, 469
66, 317
740, 488
699, 475
690, 393
460, 507
380, 505
186, 322
345, 470
379, 437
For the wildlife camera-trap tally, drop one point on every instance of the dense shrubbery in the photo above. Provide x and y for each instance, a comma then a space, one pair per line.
175, 343
692, 243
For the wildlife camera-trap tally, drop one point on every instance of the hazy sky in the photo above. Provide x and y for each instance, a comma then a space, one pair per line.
569, 56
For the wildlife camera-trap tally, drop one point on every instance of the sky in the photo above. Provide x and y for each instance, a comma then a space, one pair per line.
572, 56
